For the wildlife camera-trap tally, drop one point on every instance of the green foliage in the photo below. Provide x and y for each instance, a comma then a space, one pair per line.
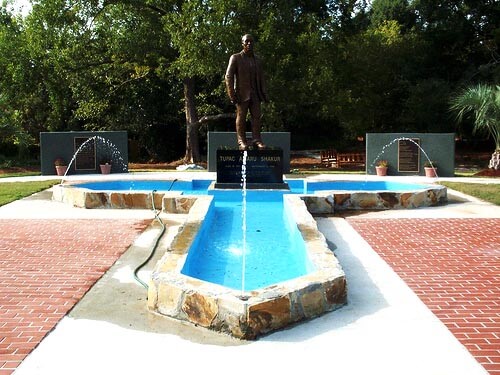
12, 61
392, 10
377, 77
335, 69
201, 32
483, 102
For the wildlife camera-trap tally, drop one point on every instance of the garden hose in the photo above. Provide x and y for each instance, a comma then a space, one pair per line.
172, 184
153, 250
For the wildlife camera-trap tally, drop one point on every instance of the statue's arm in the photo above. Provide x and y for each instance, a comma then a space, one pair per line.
230, 73
264, 89
262, 81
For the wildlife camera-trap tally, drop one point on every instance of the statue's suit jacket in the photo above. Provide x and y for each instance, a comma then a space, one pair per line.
238, 78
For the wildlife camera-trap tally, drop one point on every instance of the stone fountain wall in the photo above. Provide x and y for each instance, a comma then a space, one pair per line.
219, 308
328, 202
170, 202
325, 202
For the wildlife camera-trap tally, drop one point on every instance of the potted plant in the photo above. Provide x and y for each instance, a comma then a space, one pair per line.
430, 168
105, 165
381, 167
61, 166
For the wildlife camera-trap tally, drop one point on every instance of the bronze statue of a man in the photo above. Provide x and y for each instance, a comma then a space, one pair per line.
246, 89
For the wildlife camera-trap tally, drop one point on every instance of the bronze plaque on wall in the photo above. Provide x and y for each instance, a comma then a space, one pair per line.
85, 159
409, 155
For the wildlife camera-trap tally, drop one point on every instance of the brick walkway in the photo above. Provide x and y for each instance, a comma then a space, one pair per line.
46, 266
453, 265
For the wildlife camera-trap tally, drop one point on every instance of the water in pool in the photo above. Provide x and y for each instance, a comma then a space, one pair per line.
201, 186
316, 186
275, 250
186, 187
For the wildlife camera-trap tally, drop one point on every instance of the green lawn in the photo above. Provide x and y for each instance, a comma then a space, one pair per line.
11, 191
18, 174
486, 192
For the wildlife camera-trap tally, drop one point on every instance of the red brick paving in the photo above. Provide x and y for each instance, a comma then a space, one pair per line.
453, 265
46, 266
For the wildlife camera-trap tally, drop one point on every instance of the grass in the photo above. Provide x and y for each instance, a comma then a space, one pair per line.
486, 192
12, 191
19, 174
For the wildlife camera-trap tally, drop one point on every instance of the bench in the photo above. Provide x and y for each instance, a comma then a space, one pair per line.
353, 159
334, 159
329, 158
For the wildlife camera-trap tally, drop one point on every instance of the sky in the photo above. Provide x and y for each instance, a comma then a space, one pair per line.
19, 6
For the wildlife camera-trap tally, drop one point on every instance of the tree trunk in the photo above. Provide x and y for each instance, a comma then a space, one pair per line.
192, 123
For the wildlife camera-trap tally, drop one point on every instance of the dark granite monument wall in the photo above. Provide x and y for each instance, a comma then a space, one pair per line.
63, 145
405, 158
227, 140
264, 169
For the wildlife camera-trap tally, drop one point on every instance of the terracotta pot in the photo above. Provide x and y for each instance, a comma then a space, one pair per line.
381, 171
61, 169
105, 168
430, 172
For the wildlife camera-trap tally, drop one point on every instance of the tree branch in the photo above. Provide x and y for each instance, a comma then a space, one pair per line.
210, 118
156, 9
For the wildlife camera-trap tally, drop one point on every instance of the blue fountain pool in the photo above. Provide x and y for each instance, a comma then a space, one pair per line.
312, 187
273, 244
184, 186
274, 248
298, 186
289, 272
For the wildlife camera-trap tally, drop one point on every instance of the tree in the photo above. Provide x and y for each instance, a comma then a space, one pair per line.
205, 33
463, 37
16, 93
99, 66
392, 10
484, 103
375, 77
116, 68
155, 68
201, 32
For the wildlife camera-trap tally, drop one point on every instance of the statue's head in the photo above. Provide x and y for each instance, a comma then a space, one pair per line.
247, 43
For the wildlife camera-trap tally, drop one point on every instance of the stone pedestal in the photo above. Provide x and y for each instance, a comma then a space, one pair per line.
264, 169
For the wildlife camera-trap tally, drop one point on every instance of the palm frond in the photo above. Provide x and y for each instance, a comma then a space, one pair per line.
483, 101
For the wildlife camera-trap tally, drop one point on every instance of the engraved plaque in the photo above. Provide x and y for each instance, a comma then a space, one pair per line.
85, 160
409, 155
263, 166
